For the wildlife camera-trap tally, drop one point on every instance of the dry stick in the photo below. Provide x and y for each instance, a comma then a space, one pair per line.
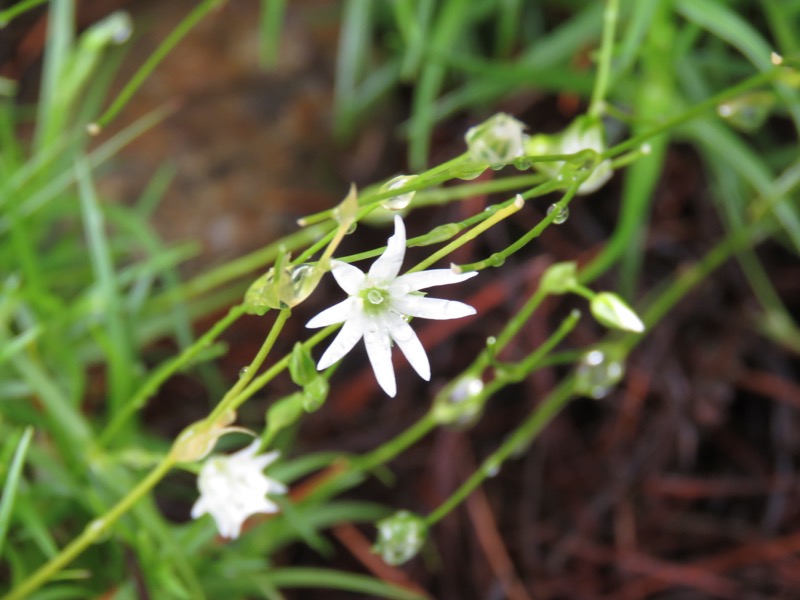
493, 547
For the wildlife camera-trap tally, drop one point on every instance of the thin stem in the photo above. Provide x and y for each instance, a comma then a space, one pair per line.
518, 440
91, 533
610, 17
175, 36
498, 258
231, 399
386, 452
505, 210
166, 370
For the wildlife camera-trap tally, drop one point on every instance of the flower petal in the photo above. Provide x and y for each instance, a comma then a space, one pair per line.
263, 460
347, 276
388, 264
334, 314
379, 351
409, 344
348, 336
199, 508
412, 282
431, 308
250, 451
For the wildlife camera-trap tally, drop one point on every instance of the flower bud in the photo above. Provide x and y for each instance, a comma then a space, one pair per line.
302, 367
198, 439
499, 139
612, 311
559, 278
400, 537
598, 373
583, 138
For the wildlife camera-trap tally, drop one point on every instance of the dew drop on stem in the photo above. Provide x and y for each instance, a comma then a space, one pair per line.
562, 213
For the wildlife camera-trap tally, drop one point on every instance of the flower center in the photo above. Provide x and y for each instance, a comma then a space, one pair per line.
376, 300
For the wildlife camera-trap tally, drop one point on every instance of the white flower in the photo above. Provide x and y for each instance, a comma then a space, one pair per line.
378, 308
234, 487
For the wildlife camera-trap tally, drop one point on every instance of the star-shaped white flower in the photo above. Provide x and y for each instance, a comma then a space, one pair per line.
378, 308
234, 487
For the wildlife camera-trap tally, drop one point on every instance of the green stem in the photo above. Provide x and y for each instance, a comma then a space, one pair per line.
93, 531
165, 371
504, 210
498, 258
610, 17
694, 112
506, 374
175, 36
627, 226
386, 452
520, 438
231, 399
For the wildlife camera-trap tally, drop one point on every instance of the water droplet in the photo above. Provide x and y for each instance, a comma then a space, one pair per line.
375, 297
401, 201
492, 469
352, 228
288, 288
561, 216
598, 374
749, 111
100, 529
466, 389
123, 30
243, 371
594, 358
522, 163
496, 260
461, 403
